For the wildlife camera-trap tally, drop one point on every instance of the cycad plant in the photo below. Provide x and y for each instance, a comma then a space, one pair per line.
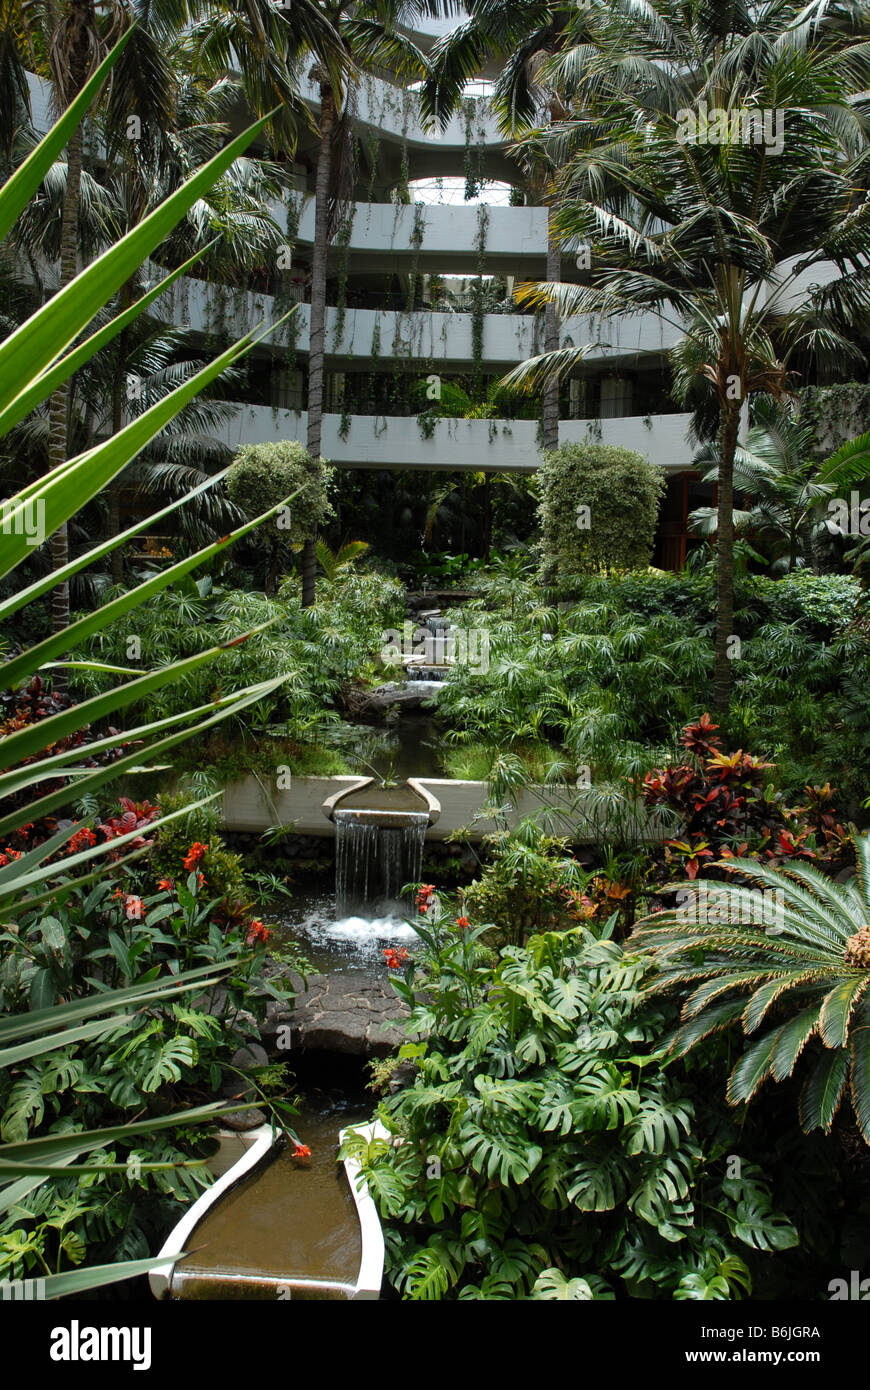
785, 954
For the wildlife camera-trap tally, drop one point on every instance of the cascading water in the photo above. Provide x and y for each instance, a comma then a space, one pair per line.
376, 854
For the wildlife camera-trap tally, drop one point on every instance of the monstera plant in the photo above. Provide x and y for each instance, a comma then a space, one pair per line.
785, 954
39, 761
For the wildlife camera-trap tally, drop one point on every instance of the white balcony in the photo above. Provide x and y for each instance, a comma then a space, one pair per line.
394, 112
463, 445
446, 231
445, 339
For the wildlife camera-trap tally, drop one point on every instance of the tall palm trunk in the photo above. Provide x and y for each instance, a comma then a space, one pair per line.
317, 332
119, 387
59, 402
730, 422
550, 403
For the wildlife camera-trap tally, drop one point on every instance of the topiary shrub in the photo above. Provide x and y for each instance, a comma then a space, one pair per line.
597, 509
260, 476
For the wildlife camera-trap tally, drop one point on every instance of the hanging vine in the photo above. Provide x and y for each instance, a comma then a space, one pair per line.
417, 233
342, 242
478, 302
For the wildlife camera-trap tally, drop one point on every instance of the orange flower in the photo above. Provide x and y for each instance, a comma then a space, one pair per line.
166, 884
257, 932
301, 1150
395, 958
195, 855
462, 922
81, 839
425, 894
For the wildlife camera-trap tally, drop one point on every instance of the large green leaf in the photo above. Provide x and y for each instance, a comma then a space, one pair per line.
76, 1281
60, 1016
22, 597
823, 1089
230, 705
21, 186
59, 371
64, 491
35, 737
30, 349
14, 671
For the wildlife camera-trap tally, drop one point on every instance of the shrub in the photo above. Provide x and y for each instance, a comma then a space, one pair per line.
260, 476
541, 1151
622, 491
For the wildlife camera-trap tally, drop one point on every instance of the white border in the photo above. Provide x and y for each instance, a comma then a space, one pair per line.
371, 1267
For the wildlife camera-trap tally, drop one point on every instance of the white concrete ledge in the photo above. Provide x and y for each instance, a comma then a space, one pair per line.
371, 1269
249, 806
505, 446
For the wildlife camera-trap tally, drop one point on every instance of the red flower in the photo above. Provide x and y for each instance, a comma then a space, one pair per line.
166, 884
257, 932
81, 839
462, 922
394, 958
195, 855
425, 894
301, 1150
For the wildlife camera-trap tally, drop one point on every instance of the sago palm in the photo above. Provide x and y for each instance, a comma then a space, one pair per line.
786, 956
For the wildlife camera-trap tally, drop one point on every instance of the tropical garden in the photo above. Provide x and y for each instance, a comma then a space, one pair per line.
635, 1062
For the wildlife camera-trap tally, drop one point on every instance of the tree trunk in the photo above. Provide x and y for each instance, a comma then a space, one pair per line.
59, 401
119, 388
550, 404
730, 421
317, 332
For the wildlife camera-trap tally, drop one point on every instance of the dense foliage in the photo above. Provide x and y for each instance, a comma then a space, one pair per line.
545, 1148
597, 509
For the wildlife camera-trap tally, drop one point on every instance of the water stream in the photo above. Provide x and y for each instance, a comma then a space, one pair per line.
289, 1229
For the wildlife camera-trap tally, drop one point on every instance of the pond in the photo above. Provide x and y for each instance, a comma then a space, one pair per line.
333, 942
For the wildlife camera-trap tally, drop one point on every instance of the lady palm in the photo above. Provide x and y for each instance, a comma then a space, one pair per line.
776, 472
790, 955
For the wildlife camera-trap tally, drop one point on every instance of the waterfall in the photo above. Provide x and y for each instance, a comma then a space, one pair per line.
376, 854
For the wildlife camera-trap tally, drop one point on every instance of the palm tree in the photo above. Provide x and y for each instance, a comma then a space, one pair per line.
712, 237
522, 34
775, 471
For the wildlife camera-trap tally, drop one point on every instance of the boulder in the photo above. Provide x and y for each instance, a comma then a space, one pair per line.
342, 1012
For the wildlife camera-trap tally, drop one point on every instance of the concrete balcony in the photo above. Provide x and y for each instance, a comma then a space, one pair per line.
445, 339
505, 446
394, 113
441, 237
